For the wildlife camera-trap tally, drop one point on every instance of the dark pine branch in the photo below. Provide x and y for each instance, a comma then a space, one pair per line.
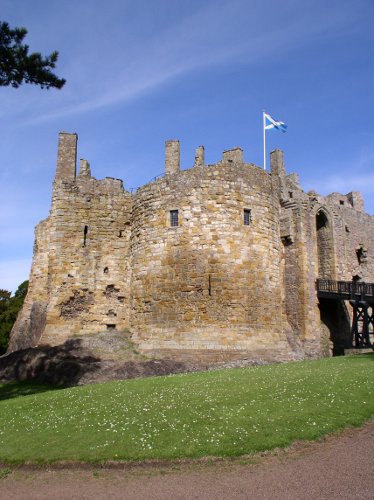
17, 66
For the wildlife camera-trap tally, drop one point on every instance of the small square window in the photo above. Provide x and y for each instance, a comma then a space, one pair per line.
341, 202
247, 217
174, 218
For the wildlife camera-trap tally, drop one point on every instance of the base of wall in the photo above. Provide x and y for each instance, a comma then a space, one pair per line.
229, 343
222, 356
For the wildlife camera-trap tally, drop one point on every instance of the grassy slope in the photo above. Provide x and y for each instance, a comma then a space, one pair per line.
226, 412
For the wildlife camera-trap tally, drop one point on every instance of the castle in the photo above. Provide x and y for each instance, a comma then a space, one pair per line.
214, 259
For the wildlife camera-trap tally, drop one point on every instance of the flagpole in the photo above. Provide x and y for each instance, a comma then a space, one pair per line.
263, 126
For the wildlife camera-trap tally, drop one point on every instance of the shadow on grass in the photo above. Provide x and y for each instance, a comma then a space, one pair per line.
61, 365
16, 389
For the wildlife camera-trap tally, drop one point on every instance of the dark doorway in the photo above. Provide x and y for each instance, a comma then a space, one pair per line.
334, 314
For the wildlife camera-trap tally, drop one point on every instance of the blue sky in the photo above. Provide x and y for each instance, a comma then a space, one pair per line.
139, 73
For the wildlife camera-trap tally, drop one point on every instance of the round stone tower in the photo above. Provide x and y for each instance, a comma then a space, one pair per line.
206, 259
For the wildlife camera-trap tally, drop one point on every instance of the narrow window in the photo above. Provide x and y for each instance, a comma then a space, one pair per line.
173, 218
85, 231
290, 194
247, 217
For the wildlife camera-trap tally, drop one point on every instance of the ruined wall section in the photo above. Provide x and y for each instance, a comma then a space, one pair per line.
30, 322
89, 274
80, 275
211, 282
354, 237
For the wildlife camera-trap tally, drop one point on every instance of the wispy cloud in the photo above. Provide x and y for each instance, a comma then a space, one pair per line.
349, 181
215, 35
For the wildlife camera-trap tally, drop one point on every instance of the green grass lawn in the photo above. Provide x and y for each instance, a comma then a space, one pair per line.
218, 413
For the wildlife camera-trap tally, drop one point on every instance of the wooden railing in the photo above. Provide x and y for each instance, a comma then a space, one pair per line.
345, 290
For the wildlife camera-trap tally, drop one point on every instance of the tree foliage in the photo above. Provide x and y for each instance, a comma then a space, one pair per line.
9, 308
17, 66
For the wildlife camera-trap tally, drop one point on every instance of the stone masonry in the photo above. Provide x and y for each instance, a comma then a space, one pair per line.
214, 259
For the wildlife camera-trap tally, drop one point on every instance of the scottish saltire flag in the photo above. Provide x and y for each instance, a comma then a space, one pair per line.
271, 123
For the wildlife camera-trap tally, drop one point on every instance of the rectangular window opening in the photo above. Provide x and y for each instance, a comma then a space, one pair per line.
247, 217
174, 218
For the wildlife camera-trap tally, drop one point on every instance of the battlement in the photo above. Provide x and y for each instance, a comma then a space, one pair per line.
172, 157
234, 155
84, 170
66, 157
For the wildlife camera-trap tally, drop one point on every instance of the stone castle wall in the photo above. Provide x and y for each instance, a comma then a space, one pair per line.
219, 257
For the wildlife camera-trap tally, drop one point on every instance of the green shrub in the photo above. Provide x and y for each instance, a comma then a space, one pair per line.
9, 308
